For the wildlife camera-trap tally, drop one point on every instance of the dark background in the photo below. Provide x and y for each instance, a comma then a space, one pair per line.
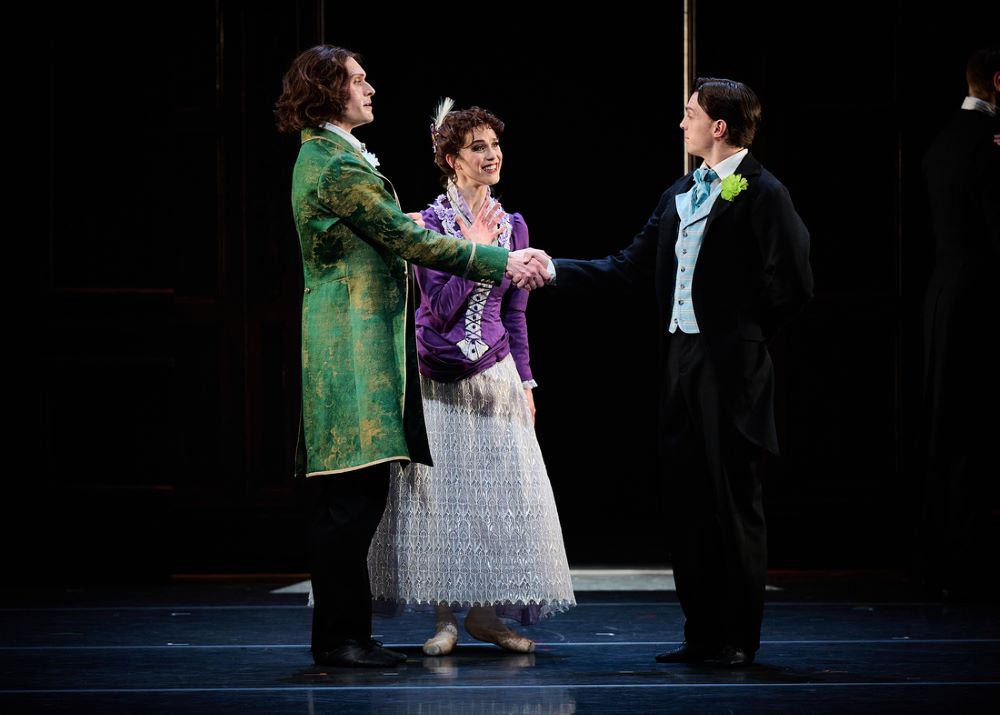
165, 379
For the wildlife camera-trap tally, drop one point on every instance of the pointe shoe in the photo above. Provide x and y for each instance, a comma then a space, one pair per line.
500, 635
443, 641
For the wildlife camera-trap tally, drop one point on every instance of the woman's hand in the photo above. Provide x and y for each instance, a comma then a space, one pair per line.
531, 403
418, 218
485, 227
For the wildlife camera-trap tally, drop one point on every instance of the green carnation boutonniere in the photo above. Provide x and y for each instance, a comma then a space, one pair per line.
732, 185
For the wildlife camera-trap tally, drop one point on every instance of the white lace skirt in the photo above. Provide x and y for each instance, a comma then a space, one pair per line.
480, 528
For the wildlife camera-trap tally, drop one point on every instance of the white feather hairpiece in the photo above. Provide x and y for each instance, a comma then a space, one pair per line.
444, 106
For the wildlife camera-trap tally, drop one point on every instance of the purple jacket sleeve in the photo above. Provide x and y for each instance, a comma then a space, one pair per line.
512, 308
443, 294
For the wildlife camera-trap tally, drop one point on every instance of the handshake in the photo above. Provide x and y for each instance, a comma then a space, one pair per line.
528, 268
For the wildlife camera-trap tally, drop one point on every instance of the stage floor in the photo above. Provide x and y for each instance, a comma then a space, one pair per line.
834, 642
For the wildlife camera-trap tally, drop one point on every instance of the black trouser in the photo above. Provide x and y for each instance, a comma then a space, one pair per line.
344, 511
955, 531
719, 539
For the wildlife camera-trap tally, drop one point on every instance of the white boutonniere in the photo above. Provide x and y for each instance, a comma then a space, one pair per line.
369, 157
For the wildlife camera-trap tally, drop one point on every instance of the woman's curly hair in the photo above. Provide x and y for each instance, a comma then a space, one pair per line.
450, 137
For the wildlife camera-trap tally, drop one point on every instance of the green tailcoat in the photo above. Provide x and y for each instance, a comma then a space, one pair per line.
357, 363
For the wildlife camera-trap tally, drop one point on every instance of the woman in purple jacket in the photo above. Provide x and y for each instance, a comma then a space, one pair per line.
478, 532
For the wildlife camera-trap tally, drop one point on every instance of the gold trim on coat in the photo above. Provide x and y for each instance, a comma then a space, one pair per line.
360, 466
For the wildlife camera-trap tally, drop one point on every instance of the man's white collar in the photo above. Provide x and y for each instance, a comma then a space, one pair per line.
353, 140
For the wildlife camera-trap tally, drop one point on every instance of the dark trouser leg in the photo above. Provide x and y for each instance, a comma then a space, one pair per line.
719, 538
344, 511
955, 532
695, 543
957, 540
735, 474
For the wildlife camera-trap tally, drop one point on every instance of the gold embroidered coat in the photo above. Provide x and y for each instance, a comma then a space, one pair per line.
355, 244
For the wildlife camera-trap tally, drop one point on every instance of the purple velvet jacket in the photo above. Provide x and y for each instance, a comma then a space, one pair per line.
440, 325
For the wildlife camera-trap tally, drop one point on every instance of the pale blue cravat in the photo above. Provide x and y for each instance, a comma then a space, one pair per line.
703, 179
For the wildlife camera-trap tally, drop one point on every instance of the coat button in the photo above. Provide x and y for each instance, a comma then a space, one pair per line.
307, 290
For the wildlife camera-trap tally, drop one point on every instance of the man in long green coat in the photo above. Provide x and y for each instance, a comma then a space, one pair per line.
360, 393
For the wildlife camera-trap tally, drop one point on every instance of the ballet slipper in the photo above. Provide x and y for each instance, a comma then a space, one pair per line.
491, 630
443, 641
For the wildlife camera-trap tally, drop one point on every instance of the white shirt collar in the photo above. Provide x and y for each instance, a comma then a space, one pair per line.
344, 135
978, 105
353, 140
727, 166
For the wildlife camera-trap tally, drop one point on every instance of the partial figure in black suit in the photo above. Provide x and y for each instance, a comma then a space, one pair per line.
961, 314
728, 257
